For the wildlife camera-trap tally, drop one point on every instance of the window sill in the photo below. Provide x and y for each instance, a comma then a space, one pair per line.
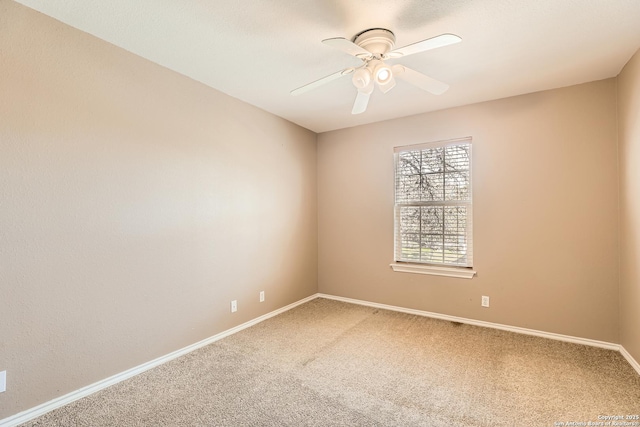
462, 273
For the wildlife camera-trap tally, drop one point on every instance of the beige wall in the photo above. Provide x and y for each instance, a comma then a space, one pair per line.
545, 212
629, 158
135, 204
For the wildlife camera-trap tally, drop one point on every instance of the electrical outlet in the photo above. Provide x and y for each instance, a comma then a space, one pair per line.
485, 301
3, 381
261, 296
234, 306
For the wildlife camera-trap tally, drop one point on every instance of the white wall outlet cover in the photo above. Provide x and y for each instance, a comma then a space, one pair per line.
3, 381
485, 301
261, 296
234, 306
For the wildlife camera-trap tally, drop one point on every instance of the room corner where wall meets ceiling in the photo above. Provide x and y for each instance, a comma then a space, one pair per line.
136, 204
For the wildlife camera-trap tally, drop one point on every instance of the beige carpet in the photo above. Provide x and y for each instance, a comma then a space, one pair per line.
328, 363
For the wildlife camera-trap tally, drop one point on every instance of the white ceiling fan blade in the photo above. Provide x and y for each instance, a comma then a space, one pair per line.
322, 81
427, 83
428, 44
360, 105
348, 46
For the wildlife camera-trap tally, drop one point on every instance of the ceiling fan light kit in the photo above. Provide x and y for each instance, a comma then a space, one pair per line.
381, 71
362, 79
383, 74
373, 47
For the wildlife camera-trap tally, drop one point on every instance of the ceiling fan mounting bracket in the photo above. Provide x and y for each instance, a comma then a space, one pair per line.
378, 41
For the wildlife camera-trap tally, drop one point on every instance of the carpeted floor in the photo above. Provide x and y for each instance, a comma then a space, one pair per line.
327, 363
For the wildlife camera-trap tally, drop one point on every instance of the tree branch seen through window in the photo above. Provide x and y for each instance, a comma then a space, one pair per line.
433, 204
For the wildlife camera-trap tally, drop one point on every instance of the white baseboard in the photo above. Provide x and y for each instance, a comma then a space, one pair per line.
525, 331
633, 362
39, 410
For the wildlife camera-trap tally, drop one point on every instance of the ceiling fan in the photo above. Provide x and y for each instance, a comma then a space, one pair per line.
373, 47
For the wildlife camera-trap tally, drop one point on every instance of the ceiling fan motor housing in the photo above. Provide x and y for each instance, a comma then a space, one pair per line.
376, 40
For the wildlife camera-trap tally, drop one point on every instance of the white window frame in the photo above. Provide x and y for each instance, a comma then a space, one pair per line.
438, 269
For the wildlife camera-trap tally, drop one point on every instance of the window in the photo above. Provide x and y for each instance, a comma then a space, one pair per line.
433, 206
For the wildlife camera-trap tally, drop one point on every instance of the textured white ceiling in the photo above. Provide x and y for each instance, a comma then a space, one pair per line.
259, 50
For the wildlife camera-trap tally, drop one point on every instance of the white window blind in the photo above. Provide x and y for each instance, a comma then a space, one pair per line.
433, 204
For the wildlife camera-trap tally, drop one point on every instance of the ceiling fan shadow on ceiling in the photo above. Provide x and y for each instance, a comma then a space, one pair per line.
373, 47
